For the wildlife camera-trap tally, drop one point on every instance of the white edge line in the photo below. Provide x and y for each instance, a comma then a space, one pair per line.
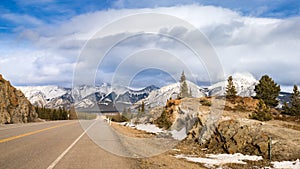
54, 163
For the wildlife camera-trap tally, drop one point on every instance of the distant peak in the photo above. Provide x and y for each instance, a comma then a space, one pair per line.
243, 75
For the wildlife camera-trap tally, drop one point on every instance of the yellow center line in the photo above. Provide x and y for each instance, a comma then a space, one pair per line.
34, 132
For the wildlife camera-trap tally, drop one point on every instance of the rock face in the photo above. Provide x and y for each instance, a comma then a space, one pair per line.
234, 136
231, 131
14, 106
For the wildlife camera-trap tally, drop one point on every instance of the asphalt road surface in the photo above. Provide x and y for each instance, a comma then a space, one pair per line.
59, 144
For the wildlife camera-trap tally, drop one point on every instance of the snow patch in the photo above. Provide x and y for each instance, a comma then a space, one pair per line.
179, 135
286, 164
213, 160
151, 128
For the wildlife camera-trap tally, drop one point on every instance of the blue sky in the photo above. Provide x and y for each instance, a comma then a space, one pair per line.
51, 11
40, 40
18, 14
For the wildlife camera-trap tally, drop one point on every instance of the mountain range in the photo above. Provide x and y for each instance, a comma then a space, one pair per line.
113, 98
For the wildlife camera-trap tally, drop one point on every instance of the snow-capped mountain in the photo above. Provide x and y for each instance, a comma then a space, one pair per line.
160, 96
48, 96
82, 96
116, 95
243, 82
80, 92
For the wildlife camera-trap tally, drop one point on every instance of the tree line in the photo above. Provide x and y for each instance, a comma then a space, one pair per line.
56, 114
267, 91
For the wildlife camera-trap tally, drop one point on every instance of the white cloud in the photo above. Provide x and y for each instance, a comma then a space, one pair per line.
21, 19
258, 45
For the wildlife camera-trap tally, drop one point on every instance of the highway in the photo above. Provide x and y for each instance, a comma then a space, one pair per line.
60, 144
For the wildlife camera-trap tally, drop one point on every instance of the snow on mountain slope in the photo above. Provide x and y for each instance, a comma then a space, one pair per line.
48, 92
116, 95
85, 103
160, 96
80, 92
244, 83
46, 96
86, 96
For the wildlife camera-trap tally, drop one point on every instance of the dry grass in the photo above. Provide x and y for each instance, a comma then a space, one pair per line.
131, 132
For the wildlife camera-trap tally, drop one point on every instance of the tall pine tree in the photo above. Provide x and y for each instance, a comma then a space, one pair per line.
268, 91
143, 107
294, 108
184, 91
230, 89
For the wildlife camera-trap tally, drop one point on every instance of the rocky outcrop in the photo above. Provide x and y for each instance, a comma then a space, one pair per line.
227, 129
14, 106
234, 136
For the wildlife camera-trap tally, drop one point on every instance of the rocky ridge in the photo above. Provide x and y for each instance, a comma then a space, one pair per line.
14, 106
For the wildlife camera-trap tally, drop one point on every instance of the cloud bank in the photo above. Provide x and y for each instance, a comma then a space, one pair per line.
47, 53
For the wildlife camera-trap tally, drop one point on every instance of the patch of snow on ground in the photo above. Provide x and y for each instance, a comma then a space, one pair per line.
220, 159
179, 135
287, 164
128, 124
151, 128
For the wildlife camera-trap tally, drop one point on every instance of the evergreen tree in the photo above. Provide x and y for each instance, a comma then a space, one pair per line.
54, 115
72, 112
294, 108
262, 112
182, 77
59, 114
268, 91
184, 91
143, 107
230, 89
125, 113
64, 114
129, 113
141, 110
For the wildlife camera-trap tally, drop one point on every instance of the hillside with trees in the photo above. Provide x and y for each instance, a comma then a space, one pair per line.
52, 114
56, 114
